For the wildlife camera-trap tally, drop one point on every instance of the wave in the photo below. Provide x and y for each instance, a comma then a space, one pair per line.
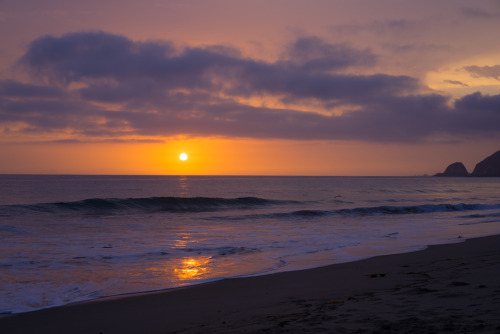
425, 208
483, 218
148, 205
224, 251
371, 211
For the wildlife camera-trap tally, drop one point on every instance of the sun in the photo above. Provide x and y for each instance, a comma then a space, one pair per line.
183, 156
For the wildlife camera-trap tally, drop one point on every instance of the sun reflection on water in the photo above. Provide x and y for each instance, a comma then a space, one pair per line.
183, 186
191, 268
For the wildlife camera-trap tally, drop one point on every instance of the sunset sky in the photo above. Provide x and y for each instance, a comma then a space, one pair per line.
275, 87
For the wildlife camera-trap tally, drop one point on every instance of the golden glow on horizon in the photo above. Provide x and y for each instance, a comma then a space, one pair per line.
183, 156
221, 156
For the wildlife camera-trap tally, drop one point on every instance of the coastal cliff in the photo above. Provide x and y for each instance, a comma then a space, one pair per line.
489, 167
455, 169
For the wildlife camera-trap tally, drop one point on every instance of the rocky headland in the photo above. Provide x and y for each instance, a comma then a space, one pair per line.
455, 169
489, 167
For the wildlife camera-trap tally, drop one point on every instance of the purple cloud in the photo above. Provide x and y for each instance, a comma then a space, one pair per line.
456, 82
314, 54
480, 13
156, 89
484, 71
14, 89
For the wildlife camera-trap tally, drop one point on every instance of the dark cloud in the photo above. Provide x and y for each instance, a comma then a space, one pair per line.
314, 54
114, 65
456, 82
14, 89
49, 116
480, 103
484, 71
78, 56
477, 114
106, 86
480, 14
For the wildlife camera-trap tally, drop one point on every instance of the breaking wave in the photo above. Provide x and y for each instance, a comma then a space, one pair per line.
148, 205
373, 211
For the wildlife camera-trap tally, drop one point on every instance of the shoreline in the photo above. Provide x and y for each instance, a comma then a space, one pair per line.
450, 287
281, 268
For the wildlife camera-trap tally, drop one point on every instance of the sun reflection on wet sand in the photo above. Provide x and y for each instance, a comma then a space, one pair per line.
193, 268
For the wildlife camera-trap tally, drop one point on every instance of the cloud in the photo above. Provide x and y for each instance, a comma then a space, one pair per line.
314, 54
480, 14
100, 86
115, 64
73, 57
476, 113
458, 83
14, 89
480, 103
484, 71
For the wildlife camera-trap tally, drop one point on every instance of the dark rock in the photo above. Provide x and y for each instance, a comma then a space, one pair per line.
489, 166
455, 169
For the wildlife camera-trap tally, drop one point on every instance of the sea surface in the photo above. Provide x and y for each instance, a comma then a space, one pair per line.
71, 238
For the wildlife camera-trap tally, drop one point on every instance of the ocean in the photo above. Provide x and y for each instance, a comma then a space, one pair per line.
67, 238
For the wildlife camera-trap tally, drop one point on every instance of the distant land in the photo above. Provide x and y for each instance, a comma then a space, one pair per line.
487, 168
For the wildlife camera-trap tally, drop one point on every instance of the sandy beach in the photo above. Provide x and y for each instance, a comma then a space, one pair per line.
452, 288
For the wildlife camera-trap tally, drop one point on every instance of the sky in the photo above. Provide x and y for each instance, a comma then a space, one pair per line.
275, 87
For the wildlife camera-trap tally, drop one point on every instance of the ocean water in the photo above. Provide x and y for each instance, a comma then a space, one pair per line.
71, 238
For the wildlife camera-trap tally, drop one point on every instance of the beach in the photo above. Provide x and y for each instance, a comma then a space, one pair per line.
451, 288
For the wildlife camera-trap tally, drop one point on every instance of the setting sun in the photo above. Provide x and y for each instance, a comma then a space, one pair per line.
183, 156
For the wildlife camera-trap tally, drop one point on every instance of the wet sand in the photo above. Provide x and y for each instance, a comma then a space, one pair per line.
451, 288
